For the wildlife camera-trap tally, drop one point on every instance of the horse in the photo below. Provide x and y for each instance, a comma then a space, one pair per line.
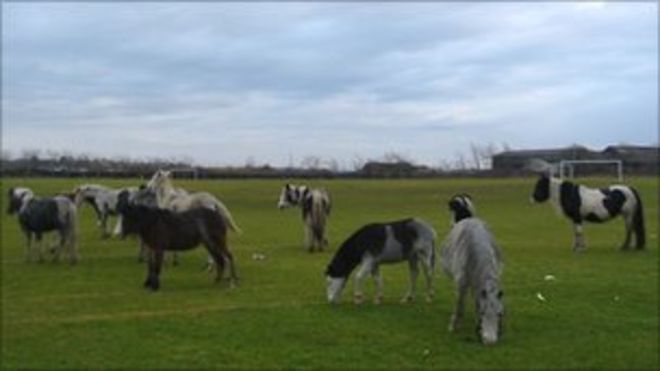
580, 203
470, 256
37, 216
410, 240
141, 196
178, 199
104, 202
316, 207
166, 230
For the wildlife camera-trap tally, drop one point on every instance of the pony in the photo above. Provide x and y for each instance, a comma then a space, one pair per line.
472, 259
178, 199
166, 230
580, 203
410, 240
316, 207
104, 202
37, 216
141, 196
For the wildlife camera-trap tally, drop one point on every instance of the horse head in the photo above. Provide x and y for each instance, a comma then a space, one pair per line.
461, 207
289, 196
541, 189
159, 179
17, 198
490, 309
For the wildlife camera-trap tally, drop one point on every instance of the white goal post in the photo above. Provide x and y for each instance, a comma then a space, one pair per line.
570, 166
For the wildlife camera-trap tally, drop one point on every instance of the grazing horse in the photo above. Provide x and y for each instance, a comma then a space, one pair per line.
410, 240
104, 202
580, 203
472, 259
165, 230
177, 199
39, 215
316, 206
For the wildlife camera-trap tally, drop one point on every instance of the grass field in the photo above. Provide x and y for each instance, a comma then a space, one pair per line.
600, 312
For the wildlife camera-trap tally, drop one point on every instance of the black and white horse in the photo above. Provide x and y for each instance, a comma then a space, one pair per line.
37, 216
165, 230
580, 203
473, 260
316, 207
410, 240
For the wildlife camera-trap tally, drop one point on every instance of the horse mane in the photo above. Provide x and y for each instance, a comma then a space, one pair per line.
470, 248
350, 253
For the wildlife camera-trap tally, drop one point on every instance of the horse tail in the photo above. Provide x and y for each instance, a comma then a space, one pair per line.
319, 213
71, 230
226, 216
638, 221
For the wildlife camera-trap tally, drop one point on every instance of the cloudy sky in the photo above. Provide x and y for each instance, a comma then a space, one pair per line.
226, 83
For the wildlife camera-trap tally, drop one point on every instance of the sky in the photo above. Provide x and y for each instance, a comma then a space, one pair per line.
234, 83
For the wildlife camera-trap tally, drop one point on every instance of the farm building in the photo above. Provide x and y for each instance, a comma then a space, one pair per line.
636, 159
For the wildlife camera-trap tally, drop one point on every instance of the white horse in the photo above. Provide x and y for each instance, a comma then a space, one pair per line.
473, 260
178, 199
316, 207
102, 199
37, 216
410, 240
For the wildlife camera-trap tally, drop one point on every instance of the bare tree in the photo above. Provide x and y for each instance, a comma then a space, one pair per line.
311, 162
358, 162
395, 157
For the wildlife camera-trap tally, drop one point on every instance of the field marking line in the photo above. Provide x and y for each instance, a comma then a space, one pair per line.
156, 313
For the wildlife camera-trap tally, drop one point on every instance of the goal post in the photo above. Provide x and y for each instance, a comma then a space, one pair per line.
569, 166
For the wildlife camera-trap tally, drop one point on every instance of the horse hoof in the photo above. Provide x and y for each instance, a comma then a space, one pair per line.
407, 299
358, 299
378, 300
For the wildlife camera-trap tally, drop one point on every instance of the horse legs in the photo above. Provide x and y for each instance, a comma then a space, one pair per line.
413, 265
104, 224
217, 255
457, 316
28, 247
71, 247
365, 268
143, 252
375, 273
578, 244
629, 227
117, 231
427, 267
39, 247
155, 264
57, 249
307, 244
232, 268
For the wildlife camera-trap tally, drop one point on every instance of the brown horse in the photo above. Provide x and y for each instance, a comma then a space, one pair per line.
162, 230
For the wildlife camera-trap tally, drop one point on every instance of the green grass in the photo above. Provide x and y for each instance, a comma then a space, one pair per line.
97, 315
